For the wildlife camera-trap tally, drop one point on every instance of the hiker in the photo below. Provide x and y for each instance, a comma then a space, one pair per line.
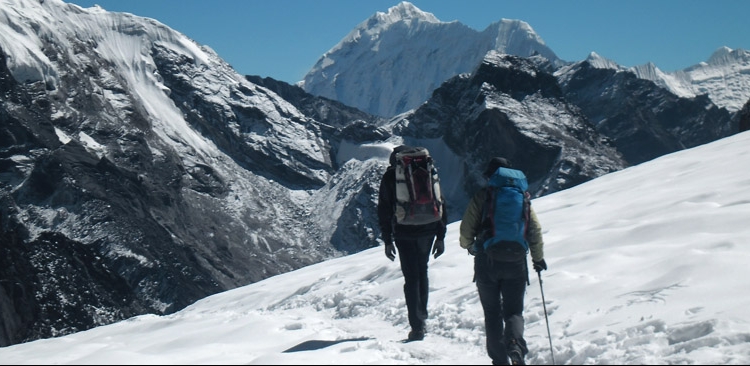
501, 274
414, 239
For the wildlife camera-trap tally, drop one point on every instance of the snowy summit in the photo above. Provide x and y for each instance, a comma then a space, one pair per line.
391, 62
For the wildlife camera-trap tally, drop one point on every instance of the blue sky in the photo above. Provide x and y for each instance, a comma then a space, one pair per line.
283, 39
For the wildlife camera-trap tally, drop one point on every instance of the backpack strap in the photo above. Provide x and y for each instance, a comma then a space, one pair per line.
486, 229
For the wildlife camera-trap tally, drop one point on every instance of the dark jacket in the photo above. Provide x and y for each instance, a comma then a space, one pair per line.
389, 229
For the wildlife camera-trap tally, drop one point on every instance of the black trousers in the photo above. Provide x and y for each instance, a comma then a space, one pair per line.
501, 286
414, 255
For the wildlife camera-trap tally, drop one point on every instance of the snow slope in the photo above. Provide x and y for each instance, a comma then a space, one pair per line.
647, 265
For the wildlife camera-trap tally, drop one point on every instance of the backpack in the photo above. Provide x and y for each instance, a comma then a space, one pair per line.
418, 197
506, 216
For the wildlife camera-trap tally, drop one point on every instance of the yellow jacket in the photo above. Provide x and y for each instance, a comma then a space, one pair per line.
472, 221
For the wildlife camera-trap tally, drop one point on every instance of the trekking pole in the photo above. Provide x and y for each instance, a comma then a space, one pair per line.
549, 335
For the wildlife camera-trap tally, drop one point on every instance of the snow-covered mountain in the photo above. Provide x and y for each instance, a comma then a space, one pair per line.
725, 78
391, 62
140, 172
643, 119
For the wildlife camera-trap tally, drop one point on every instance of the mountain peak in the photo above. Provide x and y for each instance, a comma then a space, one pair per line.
404, 11
515, 24
600, 62
726, 55
517, 37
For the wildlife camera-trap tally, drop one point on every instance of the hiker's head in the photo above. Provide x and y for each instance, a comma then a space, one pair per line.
494, 163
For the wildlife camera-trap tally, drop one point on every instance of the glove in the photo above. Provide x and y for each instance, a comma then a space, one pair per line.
438, 248
472, 249
390, 251
540, 265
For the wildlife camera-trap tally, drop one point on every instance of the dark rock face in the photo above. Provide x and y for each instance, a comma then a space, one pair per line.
216, 123
331, 112
644, 121
51, 285
56, 285
743, 118
59, 286
132, 231
511, 108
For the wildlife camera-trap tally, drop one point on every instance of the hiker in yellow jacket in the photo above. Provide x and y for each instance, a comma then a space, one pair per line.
501, 283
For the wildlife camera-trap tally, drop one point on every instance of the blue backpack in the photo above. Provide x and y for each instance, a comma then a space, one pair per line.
506, 215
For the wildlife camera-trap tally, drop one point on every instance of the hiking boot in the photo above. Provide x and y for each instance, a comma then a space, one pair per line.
516, 357
416, 335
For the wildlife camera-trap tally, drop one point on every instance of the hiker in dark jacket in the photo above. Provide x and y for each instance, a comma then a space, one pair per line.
501, 285
414, 243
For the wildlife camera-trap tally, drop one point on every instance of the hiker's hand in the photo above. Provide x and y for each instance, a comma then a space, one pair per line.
438, 248
540, 265
472, 249
390, 251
